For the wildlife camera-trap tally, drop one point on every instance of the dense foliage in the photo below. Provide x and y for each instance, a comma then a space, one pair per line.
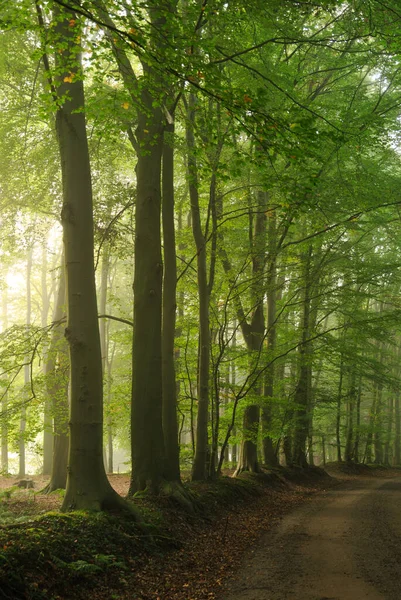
245, 175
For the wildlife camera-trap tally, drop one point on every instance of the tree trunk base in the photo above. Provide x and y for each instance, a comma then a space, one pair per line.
247, 469
52, 487
110, 501
176, 491
173, 490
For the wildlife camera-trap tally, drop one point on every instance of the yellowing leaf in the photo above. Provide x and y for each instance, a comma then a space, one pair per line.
69, 78
125, 105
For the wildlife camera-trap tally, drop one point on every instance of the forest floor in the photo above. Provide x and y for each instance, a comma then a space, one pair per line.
181, 556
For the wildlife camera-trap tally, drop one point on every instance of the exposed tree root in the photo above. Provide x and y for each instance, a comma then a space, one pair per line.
183, 497
247, 469
111, 501
173, 490
51, 487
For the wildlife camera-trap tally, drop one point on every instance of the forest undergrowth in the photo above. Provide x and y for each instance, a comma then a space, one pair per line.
174, 555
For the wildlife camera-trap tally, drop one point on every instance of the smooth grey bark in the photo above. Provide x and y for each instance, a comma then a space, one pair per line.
358, 422
231, 378
200, 463
390, 418
269, 454
397, 428
234, 448
378, 424
287, 442
216, 407
47, 418
313, 263
248, 451
169, 307
338, 411
180, 300
287, 420
206, 453
218, 396
87, 483
104, 345
351, 402
4, 400
302, 390
253, 332
368, 457
148, 465
57, 389
148, 96
27, 369
397, 416
378, 416
312, 387
323, 438
109, 424
104, 273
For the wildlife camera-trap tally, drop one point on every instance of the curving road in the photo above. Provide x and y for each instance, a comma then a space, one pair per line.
343, 545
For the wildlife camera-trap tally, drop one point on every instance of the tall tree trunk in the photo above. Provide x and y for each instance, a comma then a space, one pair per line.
387, 446
269, 454
147, 444
378, 424
379, 405
338, 411
4, 400
397, 422
200, 464
310, 410
27, 368
349, 444
47, 418
302, 391
57, 389
324, 450
149, 469
254, 335
288, 416
371, 426
109, 425
104, 345
170, 422
234, 448
87, 483
253, 332
358, 422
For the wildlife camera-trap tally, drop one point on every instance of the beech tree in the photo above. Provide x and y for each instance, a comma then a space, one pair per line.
272, 132
87, 484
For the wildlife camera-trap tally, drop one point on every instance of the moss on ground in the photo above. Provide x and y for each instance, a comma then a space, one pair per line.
60, 556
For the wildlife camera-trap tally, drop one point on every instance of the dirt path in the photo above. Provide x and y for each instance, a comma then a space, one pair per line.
343, 545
